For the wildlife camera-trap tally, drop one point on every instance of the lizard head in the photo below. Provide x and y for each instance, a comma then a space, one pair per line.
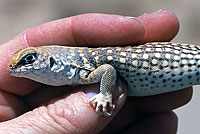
24, 61
49, 65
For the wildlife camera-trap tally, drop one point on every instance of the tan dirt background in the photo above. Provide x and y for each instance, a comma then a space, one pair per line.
17, 15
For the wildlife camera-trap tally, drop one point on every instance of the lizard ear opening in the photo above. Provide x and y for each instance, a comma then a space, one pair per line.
52, 62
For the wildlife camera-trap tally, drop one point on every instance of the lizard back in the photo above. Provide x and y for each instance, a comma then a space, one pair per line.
155, 68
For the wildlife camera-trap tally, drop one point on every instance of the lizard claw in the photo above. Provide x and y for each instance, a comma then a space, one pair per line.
103, 104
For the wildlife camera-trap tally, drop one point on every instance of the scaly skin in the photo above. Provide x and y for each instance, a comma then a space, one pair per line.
148, 69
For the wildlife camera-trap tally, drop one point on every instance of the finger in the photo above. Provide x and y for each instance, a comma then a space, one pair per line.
69, 31
45, 94
162, 123
161, 25
162, 102
136, 107
10, 106
86, 30
127, 115
71, 113
157, 103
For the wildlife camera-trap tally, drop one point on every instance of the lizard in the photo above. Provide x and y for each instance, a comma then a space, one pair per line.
148, 69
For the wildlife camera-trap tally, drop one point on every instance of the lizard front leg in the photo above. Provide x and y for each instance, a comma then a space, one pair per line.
106, 75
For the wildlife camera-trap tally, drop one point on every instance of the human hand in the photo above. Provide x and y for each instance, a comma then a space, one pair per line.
72, 113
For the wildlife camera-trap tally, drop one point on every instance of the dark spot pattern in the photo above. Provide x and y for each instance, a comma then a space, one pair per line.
161, 69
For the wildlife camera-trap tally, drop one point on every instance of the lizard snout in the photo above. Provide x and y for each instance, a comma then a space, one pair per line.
11, 67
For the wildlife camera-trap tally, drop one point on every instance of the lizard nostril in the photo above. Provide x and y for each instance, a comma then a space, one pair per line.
12, 66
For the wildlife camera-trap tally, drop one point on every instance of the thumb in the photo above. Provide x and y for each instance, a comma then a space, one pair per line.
71, 113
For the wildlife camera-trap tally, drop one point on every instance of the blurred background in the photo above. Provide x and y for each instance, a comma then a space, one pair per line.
17, 15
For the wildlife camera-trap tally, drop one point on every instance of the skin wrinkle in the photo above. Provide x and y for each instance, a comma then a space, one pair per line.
123, 20
47, 122
55, 120
35, 124
40, 31
39, 28
72, 110
107, 24
81, 37
22, 126
49, 113
63, 111
46, 119
37, 128
25, 40
72, 32
18, 131
43, 122
34, 127
42, 34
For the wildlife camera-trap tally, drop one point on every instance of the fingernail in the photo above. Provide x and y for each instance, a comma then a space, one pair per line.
165, 10
157, 11
130, 17
91, 90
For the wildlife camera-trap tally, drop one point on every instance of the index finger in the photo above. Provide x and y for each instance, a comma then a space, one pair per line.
88, 29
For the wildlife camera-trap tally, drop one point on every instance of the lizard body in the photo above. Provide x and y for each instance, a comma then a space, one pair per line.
148, 69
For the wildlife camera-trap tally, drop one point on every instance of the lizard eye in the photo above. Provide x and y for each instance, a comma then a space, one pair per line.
28, 59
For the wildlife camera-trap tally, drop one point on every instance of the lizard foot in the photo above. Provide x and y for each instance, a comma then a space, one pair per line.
103, 104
